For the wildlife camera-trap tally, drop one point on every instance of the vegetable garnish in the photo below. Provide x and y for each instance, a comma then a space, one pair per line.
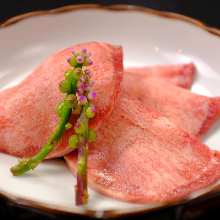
77, 87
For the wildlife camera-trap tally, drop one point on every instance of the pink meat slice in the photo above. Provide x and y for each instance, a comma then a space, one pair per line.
181, 75
193, 113
27, 111
142, 157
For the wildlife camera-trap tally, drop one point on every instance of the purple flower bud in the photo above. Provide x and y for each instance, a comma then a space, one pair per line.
82, 99
90, 62
91, 95
88, 72
68, 60
86, 86
81, 86
82, 79
84, 50
78, 94
93, 108
79, 59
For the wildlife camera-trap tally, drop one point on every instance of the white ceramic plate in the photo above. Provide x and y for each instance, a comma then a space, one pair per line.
146, 38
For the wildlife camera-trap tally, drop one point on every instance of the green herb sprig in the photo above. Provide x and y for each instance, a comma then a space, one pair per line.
77, 87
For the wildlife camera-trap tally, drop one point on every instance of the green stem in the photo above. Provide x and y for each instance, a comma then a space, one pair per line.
29, 164
81, 187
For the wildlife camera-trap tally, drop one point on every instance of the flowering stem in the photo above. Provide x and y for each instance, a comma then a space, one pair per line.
77, 87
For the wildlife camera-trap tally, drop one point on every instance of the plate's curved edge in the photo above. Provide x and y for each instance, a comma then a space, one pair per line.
30, 204
114, 7
86, 212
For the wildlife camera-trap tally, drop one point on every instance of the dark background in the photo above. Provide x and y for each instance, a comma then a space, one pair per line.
206, 11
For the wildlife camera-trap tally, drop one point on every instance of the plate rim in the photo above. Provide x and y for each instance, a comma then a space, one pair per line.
28, 203
112, 7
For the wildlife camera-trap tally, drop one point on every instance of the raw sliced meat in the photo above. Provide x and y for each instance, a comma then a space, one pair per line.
27, 111
193, 113
142, 157
181, 75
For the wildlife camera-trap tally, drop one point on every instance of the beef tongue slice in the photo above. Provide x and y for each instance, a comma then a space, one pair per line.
194, 113
142, 157
181, 75
27, 111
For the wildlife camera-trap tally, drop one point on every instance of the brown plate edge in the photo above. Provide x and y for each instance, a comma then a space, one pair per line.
85, 212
